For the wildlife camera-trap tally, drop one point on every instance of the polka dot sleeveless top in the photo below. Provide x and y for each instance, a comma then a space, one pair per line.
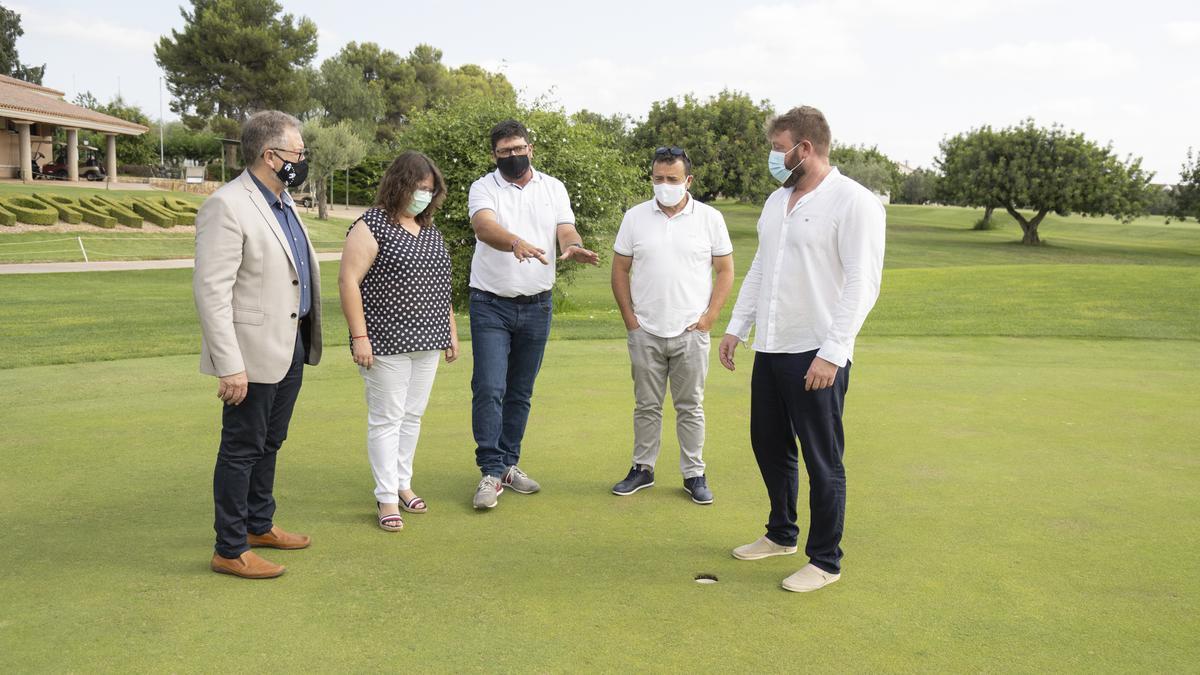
406, 292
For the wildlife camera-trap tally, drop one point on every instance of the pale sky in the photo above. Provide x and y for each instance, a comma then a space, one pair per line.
900, 75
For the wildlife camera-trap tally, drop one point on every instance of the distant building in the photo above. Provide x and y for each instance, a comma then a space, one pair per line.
29, 116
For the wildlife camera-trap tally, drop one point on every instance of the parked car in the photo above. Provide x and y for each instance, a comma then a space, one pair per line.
303, 196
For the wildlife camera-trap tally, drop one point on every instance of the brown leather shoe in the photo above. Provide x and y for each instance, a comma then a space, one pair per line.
248, 566
277, 538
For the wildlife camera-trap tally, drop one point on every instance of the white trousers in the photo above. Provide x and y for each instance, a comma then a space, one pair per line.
398, 389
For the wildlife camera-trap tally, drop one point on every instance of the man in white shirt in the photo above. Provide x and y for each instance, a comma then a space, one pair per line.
518, 215
814, 278
671, 244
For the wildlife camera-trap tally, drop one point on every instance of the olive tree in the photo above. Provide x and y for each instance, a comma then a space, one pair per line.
331, 147
1043, 170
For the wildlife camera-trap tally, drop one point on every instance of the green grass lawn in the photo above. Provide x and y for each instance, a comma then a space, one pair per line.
1014, 504
1021, 451
1095, 278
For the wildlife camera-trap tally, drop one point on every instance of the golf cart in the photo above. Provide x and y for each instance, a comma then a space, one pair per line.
89, 170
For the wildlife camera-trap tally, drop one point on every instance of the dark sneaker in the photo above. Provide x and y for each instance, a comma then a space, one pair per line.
698, 488
519, 481
487, 492
636, 480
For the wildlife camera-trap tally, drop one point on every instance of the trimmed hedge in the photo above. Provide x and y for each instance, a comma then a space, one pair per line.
176, 204
185, 212
159, 216
68, 209
97, 218
47, 208
108, 207
30, 210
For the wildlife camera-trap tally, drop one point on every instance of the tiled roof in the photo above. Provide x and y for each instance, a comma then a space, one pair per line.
25, 101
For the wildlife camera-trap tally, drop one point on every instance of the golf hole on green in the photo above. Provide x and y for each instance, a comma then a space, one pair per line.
706, 578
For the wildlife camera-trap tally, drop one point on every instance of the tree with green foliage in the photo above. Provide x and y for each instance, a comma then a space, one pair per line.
723, 136
869, 166
140, 149
345, 95
918, 187
10, 61
234, 57
1186, 194
617, 127
1044, 170
181, 143
331, 147
602, 184
405, 85
967, 151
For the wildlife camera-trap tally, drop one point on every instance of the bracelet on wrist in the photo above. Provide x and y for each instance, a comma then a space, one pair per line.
357, 337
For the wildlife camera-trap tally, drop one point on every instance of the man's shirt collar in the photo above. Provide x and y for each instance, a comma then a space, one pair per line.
271, 198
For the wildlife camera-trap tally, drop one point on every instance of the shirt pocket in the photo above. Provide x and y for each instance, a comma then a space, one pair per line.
813, 231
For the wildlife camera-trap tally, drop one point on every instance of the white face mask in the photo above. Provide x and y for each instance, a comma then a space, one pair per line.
669, 195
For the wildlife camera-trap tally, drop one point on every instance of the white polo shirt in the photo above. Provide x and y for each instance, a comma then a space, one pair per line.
817, 271
532, 213
671, 278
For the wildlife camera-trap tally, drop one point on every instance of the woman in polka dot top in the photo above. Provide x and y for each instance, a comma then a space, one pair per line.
395, 291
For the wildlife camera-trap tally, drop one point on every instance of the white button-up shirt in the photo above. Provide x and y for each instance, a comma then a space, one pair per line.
532, 213
671, 276
816, 273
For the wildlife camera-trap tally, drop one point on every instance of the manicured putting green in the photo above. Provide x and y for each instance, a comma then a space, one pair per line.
1014, 504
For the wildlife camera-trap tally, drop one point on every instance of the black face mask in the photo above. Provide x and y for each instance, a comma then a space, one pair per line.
513, 167
292, 174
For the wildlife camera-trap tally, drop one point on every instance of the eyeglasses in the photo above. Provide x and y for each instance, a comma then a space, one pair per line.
300, 154
670, 151
514, 150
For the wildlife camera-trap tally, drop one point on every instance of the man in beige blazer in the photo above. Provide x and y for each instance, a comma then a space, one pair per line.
258, 294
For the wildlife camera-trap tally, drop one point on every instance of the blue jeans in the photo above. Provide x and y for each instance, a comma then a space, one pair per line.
508, 340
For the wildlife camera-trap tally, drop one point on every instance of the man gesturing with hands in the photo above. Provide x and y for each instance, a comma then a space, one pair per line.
518, 215
814, 278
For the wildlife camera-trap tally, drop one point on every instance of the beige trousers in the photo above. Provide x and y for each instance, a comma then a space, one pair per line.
681, 361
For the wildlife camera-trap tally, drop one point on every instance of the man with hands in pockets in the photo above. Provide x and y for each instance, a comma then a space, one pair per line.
662, 278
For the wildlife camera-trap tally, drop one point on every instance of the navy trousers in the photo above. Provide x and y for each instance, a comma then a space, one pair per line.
251, 435
782, 412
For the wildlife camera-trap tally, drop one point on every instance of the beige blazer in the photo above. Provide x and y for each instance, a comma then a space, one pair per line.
246, 287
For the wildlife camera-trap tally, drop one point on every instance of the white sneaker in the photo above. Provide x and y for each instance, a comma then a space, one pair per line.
809, 578
763, 548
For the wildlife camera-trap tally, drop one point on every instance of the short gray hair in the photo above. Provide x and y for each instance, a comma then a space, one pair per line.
265, 129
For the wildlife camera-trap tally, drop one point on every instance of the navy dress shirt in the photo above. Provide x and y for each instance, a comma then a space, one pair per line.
285, 212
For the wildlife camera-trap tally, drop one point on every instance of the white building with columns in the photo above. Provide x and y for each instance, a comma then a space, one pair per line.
29, 116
